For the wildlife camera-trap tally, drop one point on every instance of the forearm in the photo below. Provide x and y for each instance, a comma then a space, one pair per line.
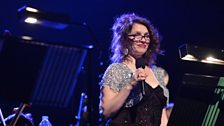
164, 119
111, 106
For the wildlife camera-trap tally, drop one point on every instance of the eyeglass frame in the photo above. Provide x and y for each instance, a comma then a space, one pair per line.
140, 37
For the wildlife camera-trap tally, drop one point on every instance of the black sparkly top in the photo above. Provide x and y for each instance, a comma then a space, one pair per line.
146, 113
138, 109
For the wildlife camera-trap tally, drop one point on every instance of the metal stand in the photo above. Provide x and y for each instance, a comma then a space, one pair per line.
18, 113
82, 117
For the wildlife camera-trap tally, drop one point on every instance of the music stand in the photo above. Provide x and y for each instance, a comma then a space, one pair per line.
28, 73
199, 102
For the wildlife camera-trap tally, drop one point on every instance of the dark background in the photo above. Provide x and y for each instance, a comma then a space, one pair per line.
198, 22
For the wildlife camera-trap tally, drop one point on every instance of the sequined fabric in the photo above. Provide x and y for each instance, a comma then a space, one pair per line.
118, 75
138, 110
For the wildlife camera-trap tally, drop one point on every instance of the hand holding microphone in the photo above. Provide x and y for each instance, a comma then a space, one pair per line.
139, 75
140, 65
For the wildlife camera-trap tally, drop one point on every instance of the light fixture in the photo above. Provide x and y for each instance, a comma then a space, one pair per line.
201, 54
35, 16
26, 37
31, 20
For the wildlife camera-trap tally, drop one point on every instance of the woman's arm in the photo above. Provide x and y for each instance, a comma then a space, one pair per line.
164, 119
112, 101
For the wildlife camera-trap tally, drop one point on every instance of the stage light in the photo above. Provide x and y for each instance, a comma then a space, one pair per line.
201, 54
33, 15
26, 37
31, 9
189, 57
31, 20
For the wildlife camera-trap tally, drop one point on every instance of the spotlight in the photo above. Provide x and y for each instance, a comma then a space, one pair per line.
26, 37
201, 54
31, 20
35, 16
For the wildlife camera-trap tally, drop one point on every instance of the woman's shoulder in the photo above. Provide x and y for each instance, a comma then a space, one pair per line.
158, 68
161, 72
116, 66
116, 76
117, 70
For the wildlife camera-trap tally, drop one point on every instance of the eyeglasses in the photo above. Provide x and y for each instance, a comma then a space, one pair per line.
138, 37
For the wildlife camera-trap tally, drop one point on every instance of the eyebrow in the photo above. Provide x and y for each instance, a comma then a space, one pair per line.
137, 32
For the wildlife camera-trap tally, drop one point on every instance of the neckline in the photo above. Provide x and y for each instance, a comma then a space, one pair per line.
154, 88
154, 74
124, 64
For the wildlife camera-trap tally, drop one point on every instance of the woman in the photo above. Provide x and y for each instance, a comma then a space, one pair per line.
123, 101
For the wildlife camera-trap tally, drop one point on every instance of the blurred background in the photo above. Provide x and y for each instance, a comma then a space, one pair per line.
54, 67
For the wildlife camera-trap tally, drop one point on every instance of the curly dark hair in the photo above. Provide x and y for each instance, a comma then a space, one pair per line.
120, 41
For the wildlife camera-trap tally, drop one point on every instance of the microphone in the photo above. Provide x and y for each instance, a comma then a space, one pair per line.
140, 63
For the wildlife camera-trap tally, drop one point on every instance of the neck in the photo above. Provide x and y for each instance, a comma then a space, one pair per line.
136, 56
130, 62
131, 59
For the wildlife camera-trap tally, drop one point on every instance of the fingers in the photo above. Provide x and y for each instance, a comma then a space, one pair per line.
140, 74
141, 77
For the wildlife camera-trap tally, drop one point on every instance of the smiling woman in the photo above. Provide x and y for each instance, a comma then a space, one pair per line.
134, 94
136, 35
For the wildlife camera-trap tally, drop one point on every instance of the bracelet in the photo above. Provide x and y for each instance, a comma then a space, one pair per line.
128, 87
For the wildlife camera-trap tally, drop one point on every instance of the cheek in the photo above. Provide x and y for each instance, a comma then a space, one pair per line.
147, 47
137, 49
134, 46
